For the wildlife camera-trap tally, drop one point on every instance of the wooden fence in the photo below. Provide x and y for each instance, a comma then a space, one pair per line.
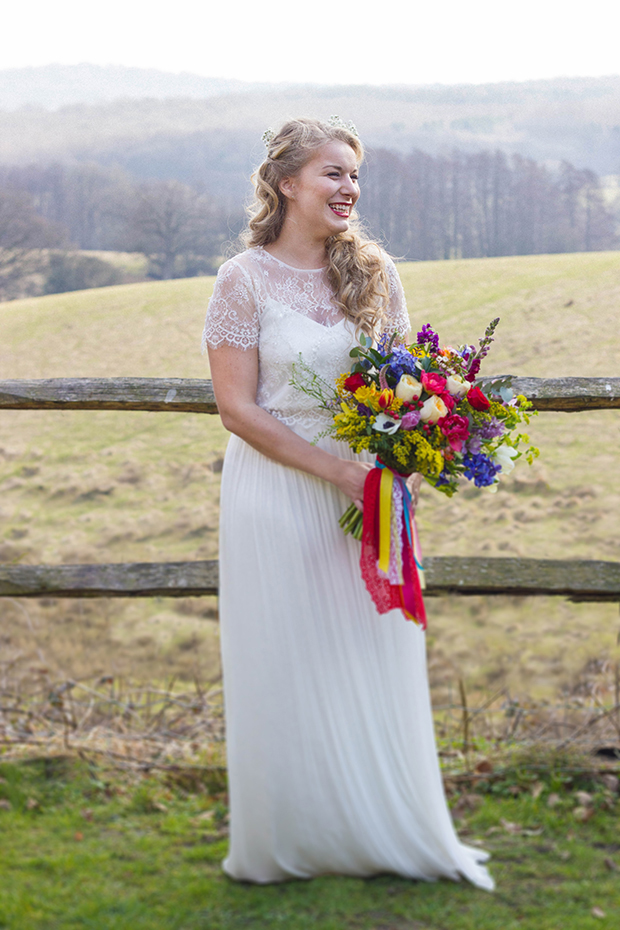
579, 580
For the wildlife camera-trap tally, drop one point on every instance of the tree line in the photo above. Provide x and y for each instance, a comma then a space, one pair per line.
90, 207
473, 205
423, 207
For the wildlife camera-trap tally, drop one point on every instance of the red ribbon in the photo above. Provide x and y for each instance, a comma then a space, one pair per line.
386, 596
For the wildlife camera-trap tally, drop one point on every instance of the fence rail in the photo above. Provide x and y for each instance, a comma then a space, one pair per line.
576, 580
192, 395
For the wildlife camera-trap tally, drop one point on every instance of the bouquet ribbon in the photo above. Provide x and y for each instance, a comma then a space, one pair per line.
391, 559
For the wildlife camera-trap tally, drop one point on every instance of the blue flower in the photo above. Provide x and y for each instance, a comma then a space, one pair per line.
480, 469
402, 363
383, 343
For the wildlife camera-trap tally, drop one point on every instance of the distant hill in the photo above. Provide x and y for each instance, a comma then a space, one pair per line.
54, 86
136, 117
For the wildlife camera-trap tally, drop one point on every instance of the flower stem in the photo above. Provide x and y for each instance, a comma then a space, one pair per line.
352, 521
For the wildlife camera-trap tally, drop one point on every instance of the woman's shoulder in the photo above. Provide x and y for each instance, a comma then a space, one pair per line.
243, 263
392, 271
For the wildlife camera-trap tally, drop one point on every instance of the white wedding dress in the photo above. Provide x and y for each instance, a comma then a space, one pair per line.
331, 751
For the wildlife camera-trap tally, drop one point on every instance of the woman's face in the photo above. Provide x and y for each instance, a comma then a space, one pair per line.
321, 196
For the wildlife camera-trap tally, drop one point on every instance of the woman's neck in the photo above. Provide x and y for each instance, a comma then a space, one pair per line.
297, 251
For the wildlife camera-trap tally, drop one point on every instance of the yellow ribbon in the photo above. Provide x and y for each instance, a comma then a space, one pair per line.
385, 518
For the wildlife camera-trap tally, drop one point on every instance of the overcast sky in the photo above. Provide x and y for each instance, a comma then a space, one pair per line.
282, 40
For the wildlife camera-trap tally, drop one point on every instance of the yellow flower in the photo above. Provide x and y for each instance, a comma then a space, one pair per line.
369, 396
415, 453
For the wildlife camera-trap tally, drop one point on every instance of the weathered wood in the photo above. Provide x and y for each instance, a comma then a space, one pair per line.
191, 395
123, 579
180, 395
577, 580
565, 394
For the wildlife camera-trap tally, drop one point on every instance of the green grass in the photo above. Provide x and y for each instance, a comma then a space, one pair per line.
95, 487
84, 848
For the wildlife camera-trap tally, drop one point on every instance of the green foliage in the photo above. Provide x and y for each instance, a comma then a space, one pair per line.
70, 271
101, 850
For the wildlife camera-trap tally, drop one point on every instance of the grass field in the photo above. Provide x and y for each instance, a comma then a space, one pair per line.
83, 847
93, 487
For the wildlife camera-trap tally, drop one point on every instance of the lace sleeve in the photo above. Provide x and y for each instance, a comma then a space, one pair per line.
397, 316
232, 314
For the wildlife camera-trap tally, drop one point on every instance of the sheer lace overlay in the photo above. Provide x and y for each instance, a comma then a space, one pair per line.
288, 313
246, 283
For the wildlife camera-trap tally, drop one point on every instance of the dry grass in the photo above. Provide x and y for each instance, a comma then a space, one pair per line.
84, 487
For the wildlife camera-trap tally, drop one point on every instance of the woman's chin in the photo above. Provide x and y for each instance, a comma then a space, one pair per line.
340, 225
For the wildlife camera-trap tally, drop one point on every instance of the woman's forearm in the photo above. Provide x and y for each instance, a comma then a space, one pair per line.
268, 435
235, 378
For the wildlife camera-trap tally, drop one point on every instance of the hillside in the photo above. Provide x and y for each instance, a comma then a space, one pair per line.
53, 86
573, 119
113, 487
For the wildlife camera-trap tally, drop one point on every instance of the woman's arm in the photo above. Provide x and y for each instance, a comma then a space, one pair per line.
235, 380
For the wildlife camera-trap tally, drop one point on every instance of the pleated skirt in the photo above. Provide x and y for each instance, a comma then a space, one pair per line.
331, 750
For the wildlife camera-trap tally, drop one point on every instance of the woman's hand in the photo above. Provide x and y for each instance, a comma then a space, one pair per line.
350, 478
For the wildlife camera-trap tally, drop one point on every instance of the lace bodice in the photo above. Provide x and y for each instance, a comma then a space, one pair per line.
259, 301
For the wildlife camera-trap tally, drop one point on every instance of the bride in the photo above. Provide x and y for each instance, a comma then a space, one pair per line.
331, 752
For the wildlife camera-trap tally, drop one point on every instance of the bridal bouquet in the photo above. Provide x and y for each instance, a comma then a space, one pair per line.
417, 409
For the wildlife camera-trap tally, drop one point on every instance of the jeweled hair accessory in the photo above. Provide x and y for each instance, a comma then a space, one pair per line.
268, 136
339, 123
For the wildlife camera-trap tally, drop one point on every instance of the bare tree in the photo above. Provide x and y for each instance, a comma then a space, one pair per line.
174, 226
22, 233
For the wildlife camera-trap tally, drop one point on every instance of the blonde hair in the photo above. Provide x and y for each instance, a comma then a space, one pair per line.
356, 266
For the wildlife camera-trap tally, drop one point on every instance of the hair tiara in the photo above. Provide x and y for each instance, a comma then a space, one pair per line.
334, 121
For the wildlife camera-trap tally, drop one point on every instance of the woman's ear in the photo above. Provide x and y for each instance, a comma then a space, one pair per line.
287, 187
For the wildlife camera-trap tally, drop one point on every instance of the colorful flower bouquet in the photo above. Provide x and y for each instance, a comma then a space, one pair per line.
417, 409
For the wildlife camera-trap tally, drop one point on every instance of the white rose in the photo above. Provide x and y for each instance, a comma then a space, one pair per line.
503, 456
433, 409
407, 388
457, 386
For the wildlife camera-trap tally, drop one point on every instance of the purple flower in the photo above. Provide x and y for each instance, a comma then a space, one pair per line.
428, 334
491, 429
364, 411
474, 368
473, 444
480, 469
410, 420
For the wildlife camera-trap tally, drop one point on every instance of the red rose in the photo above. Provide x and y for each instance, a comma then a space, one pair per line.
477, 399
354, 382
433, 383
456, 430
